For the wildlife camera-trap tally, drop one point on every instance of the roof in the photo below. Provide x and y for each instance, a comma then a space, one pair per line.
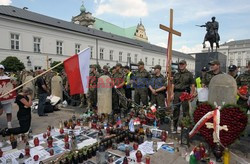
11, 11
237, 42
109, 27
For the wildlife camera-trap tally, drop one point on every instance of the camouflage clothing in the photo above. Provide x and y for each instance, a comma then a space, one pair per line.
141, 87
242, 80
182, 82
92, 92
158, 82
208, 76
117, 101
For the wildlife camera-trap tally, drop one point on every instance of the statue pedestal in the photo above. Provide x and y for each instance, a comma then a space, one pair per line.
202, 60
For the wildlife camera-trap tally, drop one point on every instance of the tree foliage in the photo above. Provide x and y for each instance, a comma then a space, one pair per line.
12, 64
58, 69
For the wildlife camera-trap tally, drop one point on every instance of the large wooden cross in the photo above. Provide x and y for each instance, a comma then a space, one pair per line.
169, 54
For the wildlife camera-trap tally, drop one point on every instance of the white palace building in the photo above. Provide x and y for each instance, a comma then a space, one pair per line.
37, 40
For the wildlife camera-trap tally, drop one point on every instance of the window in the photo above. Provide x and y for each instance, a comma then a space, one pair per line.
14, 41
101, 53
37, 44
120, 56
128, 58
91, 52
238, 63
146, 60
59, 47
111, 55
163, 63
136, 58
159, 61
247, 60
77, 48
231, 62
37, 67
153, 61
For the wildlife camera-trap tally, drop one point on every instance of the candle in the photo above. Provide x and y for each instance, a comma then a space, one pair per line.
226, 156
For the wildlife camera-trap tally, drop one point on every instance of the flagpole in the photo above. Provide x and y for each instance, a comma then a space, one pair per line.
31, 79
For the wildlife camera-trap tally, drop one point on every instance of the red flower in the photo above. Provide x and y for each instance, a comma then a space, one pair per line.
243, 90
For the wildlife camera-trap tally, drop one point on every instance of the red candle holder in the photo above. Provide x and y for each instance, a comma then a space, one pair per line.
36, 157
135, 146
50, 142
66, 138
164, 135
44, 135
27, 150
93, 125
36, 141
1, 153
66, 145
147, 160
61, 131
48, 133
78, 122
51, 152
49, 128
138, 156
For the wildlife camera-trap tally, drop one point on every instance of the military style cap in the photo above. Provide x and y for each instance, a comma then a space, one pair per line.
126, 67
105, 67
118, 65
183, 62
157, 67
92, 66
140, 63
232, 68
204, 69
214, 62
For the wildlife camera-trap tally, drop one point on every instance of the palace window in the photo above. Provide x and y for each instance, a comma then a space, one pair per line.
159, 61
135, 58
120, 56
37, 68
128, 58
77, 48
238, 62
59, 47
146, 60
91, 52
111, 55
101, 53
14, 41
37, 44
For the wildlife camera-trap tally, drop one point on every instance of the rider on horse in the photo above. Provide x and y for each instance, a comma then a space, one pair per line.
212, 32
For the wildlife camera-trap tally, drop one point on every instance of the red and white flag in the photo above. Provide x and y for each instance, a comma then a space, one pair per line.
77, 70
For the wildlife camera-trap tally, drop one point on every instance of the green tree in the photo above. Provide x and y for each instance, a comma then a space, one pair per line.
57, 69
12, 64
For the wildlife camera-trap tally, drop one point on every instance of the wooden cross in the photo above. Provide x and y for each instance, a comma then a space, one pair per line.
169, 54
211, 126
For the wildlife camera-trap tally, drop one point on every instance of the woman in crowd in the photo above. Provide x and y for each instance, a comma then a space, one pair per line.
24, 102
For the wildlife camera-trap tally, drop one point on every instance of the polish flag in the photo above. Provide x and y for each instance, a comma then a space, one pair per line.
77, 70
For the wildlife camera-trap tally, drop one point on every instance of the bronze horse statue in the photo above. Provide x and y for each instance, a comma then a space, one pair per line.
211, 36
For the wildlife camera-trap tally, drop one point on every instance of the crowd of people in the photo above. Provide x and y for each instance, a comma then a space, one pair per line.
147, 87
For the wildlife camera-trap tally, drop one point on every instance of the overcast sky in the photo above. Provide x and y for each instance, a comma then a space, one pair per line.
233, 16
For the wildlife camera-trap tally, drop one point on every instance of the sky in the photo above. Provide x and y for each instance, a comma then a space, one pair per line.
233, 17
